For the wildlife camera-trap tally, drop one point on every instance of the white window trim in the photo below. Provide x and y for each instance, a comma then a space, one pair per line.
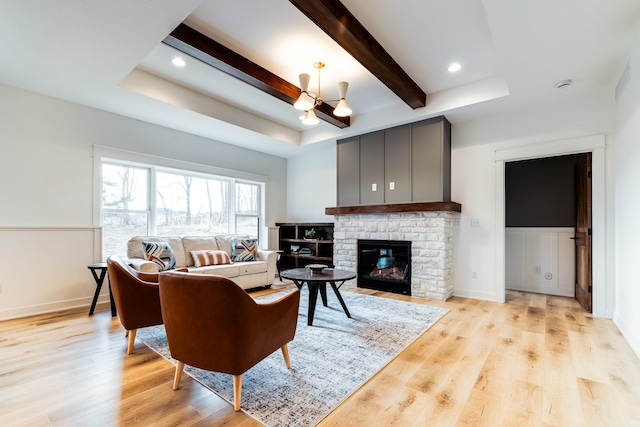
107, 154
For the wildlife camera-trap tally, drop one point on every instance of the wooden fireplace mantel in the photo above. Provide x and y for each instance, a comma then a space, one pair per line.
395, 208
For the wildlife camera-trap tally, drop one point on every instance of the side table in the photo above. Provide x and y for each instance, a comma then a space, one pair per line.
280, 252
99, 272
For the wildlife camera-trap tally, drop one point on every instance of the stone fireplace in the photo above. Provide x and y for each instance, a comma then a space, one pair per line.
430, 227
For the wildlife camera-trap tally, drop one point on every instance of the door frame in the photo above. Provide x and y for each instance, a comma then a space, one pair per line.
594, 144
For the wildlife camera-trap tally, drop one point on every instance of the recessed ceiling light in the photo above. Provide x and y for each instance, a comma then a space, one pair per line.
454, 67
178, 62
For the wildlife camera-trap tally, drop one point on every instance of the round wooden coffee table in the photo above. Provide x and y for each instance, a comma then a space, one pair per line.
318, 282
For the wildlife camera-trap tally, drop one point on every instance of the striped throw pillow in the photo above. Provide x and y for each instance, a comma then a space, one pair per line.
244, 250
160, 253
209, 257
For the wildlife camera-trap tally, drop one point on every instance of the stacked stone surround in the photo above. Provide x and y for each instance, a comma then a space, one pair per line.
432, 236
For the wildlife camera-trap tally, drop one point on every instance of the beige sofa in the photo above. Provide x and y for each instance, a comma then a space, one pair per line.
247, 275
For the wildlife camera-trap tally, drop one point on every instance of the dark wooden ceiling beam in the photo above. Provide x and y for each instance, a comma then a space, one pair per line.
197, 45
336, 20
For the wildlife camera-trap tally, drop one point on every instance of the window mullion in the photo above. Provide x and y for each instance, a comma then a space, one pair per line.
151, 204
232, 207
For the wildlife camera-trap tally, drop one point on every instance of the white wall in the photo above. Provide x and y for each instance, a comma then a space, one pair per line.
47, 191
311, 185
541, 260
627, 205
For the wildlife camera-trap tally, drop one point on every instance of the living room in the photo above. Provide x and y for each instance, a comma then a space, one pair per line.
52, 145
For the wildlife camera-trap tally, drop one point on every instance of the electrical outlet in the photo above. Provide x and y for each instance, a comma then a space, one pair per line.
374, 187
475, 222
537, 269
392, 185
474, 274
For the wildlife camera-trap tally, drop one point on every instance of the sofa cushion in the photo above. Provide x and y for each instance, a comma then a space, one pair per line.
251, 267
198, 243
224, 241
209, 257
243, 250
225, 270
160, 253
136, 250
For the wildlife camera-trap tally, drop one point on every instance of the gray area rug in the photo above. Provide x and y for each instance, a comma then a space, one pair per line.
330, 360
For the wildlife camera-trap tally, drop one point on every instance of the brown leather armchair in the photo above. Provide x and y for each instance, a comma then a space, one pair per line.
137, 301
213, 324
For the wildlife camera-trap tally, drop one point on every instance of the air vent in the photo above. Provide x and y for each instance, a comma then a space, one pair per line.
623, 81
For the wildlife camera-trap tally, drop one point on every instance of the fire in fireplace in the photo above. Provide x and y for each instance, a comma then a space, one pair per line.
385, 265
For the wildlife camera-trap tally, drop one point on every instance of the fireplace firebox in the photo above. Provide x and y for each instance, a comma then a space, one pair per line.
385, 265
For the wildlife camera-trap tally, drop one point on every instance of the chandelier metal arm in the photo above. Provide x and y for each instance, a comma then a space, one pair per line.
324, 112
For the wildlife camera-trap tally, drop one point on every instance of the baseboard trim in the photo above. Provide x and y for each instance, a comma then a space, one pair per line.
628, 333
466, 293
33, 310
544, 290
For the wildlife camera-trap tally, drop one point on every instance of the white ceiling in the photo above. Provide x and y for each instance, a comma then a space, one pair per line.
109, 55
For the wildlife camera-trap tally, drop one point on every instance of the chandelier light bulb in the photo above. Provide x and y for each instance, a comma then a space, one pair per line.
342, 109
304, 102
311, 118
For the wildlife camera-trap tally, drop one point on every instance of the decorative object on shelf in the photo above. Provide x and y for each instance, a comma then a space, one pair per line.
316, 268
311, 234
305, 252
307, 102
295, 249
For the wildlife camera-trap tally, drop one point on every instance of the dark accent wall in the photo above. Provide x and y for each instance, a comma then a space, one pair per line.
540, 192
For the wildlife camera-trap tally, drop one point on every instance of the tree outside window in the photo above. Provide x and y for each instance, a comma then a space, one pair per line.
125, 206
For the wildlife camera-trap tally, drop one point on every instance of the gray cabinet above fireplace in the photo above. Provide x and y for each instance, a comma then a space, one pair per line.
409, 163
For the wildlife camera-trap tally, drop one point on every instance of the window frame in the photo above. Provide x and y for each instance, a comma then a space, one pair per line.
154, 165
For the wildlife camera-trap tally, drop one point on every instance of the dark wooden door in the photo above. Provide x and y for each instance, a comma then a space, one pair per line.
583, 231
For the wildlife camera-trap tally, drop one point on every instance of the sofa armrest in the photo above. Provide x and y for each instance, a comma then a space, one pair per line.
143, 265
271, 257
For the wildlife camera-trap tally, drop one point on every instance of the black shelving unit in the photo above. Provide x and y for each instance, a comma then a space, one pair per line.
299, 250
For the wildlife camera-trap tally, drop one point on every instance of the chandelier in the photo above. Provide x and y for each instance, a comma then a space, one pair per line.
307, 102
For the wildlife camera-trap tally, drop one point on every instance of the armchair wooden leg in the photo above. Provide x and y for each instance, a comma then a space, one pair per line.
285, 354
237, 391
176, 378
132, 338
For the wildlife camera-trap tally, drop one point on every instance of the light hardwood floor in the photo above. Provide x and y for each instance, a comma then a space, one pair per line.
536, 360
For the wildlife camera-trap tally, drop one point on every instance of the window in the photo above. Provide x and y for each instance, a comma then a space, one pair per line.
247, 208
147, 200
125, 206
188, 205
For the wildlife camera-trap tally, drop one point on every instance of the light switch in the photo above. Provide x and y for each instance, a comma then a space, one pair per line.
374, 187
392, 185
